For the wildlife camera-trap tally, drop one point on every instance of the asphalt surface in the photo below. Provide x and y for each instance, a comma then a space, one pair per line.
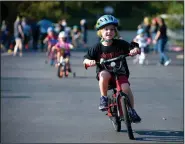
38, 107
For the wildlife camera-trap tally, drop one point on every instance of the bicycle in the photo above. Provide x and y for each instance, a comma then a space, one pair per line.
63, 69
118, 103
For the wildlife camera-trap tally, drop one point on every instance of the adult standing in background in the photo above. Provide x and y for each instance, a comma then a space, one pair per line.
27, 33
161, 40
153, 30
19, 36
35, 33
64, 27
63, 24
43, 24
4, 36
83, 28
146, 27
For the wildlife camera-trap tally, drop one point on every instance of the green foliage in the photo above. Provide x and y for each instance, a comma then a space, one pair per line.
176, 7
129, 12
51, 10
173, 24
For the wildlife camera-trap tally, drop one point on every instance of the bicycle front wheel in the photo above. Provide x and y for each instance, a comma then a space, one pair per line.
127, 120
116, 123
60, 71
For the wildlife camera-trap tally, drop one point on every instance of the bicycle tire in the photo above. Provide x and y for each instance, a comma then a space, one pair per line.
114, 118
116, 123
60, 70
127, 119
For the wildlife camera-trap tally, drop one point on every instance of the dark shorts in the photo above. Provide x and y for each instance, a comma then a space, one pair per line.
17, 36
66, 55
113, 83
26, 39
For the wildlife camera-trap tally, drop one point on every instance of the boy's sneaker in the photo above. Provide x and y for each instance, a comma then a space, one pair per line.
103, 103
134, 116
167, 62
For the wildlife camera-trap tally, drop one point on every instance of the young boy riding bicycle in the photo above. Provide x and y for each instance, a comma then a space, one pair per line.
109, 47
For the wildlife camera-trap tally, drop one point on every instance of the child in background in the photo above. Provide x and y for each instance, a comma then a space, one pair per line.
143, 42
63, 50
76, 36
51, 40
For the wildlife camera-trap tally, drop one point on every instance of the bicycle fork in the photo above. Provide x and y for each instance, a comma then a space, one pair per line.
119, 97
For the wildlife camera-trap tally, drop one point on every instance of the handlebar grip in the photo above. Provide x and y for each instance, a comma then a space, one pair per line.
138, 52
86, 66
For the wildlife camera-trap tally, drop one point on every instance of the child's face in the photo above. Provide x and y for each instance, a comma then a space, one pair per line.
142, 34
108, 32
50, 33
62, 38
75, 29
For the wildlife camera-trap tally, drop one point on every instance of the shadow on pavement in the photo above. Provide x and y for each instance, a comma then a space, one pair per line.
159, 135
16, 97
85, 77
23, 78
157, 65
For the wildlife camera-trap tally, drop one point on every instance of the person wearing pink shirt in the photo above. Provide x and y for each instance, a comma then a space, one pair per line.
63, 49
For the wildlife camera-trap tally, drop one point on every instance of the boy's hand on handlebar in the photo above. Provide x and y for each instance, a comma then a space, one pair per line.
91, 63
134, 51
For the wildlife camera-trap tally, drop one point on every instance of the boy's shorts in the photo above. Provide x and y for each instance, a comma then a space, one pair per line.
113, 83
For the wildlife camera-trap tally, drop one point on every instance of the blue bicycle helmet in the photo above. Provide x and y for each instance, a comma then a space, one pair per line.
106, 20
140, 31
50, 29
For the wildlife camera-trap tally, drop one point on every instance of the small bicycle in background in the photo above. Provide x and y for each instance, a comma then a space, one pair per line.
118, 103
63, 68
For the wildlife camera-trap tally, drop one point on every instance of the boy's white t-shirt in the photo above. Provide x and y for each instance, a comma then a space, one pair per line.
142, 41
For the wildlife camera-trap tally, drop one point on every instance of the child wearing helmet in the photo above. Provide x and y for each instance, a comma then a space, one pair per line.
63, 49
111, 46
143, 42
51, 40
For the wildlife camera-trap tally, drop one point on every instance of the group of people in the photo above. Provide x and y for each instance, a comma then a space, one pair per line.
58, 49
30, 34
77, 34
155, 35
110, 45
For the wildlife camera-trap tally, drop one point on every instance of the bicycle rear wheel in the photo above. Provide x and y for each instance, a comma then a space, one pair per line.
127, 120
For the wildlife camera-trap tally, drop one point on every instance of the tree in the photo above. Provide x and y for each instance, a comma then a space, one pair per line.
38, 10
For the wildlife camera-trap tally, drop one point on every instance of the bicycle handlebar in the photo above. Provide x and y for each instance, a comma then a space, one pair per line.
103, 61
